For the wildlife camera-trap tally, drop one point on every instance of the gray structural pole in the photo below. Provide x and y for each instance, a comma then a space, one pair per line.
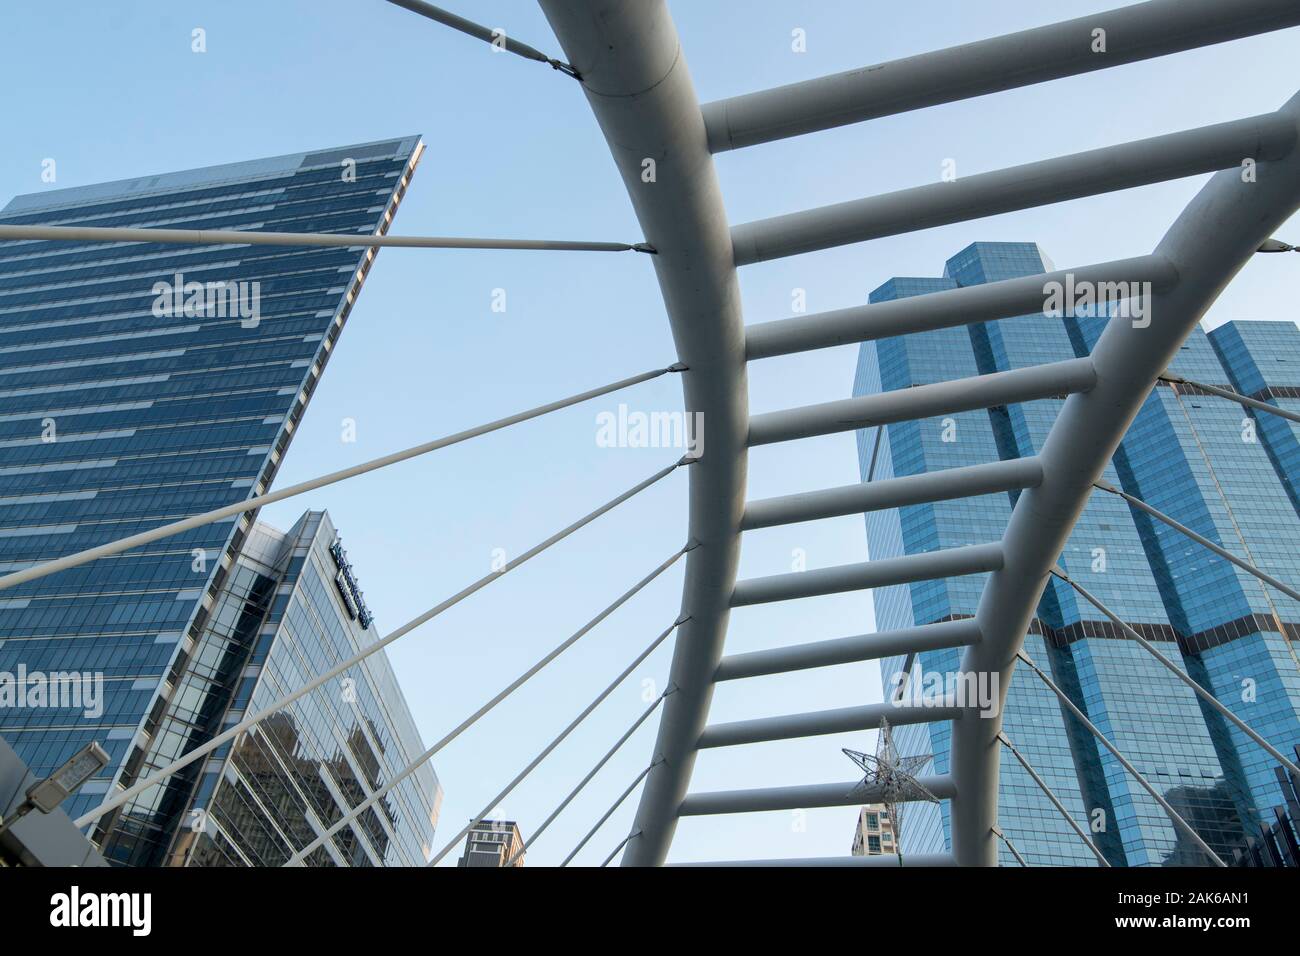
474, 718
609, 813
230, 734
1132, 33
1055, 801
1124, 762
622, 843
498, 39
559, 739
1178, 672
805, 796
1091, 173
944, 485
639, 88
1199, 539
251, 504
889, 859
924, 401
1211, 241
1006, 298
1010, 846
926, 566
847, 650
1232, 396
838, 721
627, 734
360, 240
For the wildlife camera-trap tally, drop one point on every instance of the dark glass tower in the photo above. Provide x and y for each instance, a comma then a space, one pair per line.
142, 383
1187, 456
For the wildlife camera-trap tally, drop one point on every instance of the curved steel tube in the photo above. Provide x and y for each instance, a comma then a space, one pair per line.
640, 90
1214, 237
641, 93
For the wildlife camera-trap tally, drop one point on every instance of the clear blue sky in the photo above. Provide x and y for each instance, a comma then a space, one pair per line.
112, 91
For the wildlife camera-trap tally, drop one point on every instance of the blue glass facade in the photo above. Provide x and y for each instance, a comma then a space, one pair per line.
1168, 588
143, 383
286, 615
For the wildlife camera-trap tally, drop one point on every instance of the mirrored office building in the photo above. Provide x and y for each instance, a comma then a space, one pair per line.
1228, 474
141, 383
291, 610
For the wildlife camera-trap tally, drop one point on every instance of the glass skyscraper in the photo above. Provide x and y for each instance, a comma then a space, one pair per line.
143, 383
291, 610
1201, 459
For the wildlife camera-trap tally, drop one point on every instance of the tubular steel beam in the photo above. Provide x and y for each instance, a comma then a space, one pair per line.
847, 650
379, 792
1132, 33
1139, 163
1179, 673
1200, 539
555, 742
997, 831
572, 795
1215, 236
609, 813
339, 669
1053, 380
1233, 396
479, 32
805, 797
820, 723
885, 859
360, 240
1025, 295
259, 501
621, 843
967, 482
928, 566
1055, 801
639, 87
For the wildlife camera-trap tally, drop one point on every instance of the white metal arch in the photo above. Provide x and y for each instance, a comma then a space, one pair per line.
638, 85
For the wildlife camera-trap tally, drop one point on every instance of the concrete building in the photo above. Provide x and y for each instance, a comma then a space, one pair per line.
874, 835
493, 843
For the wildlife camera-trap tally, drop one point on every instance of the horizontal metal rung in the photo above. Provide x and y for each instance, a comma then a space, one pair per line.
883, 859
803, 797
1133, 33
819, 723
1026, 295
932, 565
1139, 163
917, 489
1056, 379
847, 650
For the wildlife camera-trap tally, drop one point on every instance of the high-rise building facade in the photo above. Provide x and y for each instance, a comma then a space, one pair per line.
292, 609
1181, 456
493, 843
143, 383
874, 835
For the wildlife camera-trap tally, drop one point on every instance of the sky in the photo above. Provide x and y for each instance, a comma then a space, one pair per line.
113, 91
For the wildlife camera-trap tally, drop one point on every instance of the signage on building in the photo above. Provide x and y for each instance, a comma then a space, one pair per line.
346, 582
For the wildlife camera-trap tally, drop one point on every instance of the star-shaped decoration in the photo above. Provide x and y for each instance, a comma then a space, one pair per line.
894, 776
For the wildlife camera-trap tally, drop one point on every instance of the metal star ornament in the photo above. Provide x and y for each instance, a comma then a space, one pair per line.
894, 777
